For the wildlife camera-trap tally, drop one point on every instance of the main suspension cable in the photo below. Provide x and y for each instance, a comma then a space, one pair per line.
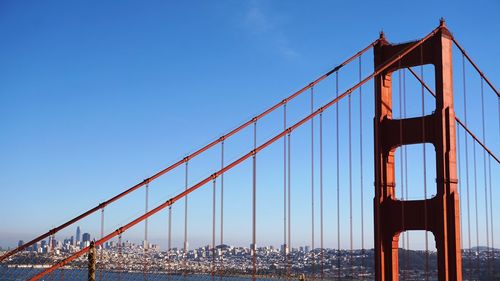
465, 55
192, 155
467, 133
248, 155
462, 124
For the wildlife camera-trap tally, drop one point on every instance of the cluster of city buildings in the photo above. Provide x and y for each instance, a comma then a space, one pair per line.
51, 245
119, 256
132, 257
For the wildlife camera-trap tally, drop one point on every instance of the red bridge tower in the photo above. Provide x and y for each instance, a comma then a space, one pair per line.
440, 214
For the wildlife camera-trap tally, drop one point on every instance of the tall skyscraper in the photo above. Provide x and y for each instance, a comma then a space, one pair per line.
78, 234
284, 249
86, 237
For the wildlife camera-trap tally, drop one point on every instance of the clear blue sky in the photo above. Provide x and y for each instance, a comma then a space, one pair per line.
96, 96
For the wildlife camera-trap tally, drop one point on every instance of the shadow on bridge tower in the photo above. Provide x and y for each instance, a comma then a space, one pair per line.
440, 214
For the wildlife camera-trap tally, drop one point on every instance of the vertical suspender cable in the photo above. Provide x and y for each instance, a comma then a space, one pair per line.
52, 240
491, 199
361, 171
338, 173
146, 243
169, 253
214, 194
406, 173
289, 175
285, 246
101, 247
254, 207
401, 159
120, 259
467, 168
146, 207
351, 254
459, 158
312, 187
222, 209
186, 174
321, 193
425, 167
475, 205
485, 181
491, 219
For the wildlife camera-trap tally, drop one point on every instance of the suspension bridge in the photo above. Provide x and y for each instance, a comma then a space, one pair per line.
442, 139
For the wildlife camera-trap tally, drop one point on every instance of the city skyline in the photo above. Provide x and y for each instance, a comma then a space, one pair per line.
87, 237
112, 100
162, 245
237, 260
